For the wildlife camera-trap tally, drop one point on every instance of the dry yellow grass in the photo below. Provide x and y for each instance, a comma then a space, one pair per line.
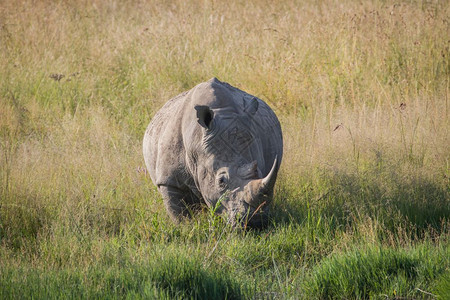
318, 64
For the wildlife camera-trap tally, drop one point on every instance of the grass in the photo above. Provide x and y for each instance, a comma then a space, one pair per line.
168, 276
376, 272
361, 206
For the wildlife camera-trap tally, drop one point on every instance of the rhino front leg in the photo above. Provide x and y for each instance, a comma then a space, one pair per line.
179, 203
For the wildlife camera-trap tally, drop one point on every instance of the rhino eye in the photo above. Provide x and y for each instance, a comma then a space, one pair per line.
222, 181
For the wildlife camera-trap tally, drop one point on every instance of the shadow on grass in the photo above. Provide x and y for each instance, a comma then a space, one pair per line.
165, 276
343, 199
375, 272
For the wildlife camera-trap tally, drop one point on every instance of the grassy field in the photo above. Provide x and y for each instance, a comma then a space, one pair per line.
361, 207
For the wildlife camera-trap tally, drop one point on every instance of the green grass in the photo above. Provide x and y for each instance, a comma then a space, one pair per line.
379, 272
361, 206
165, 276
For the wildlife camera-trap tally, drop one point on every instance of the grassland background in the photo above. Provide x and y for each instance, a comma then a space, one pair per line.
361, 205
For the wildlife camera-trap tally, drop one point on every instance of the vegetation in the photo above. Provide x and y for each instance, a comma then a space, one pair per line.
361, 207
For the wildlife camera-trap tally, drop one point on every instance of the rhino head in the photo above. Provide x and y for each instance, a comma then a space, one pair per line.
231, 169
245, 196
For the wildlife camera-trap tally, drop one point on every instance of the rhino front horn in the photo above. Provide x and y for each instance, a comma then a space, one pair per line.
257, 190
268, 182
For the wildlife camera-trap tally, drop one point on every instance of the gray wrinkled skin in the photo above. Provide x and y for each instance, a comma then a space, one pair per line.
215, 142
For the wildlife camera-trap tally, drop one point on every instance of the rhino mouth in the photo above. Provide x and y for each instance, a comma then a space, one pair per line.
258, 218
250, 217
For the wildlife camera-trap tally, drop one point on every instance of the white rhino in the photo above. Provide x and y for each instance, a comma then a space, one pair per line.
215, 143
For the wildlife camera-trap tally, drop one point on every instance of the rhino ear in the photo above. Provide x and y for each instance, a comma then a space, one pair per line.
205, 116
250, 105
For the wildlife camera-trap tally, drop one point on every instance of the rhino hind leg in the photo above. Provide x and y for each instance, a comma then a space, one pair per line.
179, 203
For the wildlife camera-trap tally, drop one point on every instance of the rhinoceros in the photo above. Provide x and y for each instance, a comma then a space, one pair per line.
218, 145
